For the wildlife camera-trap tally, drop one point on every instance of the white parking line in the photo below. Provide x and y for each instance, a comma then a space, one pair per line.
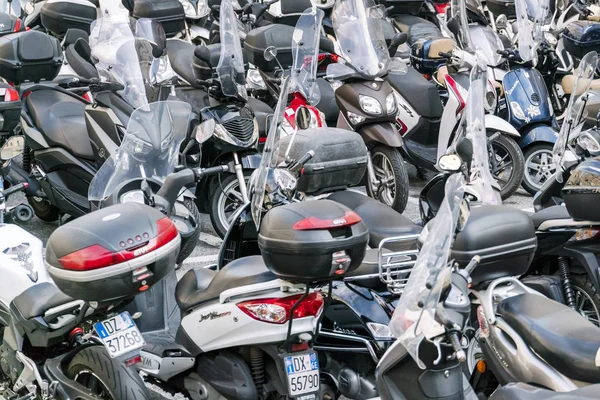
210, 240
211, 258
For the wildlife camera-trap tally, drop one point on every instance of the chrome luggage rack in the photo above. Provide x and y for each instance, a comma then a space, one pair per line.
395, 266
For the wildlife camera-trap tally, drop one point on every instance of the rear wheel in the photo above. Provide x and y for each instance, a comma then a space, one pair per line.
225, 201
188, 244
539, 167
107, 378
587, 299
391, 173
507, 164
43, 209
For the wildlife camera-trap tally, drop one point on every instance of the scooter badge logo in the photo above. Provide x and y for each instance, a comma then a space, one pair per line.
339, 221
213, 315
533, 111
22, 255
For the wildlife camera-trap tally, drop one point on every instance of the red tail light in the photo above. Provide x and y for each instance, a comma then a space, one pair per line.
11, 95
96, 256
441, 8
314, 223
262, 139
277, 311
17, 25
88, 96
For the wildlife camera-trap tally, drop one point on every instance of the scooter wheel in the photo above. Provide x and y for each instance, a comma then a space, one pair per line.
390, 169
43, 209
224, 200
189, 243
509, 165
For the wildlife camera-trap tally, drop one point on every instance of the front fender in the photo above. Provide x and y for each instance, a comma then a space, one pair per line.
538, 133
495, 123
383, 132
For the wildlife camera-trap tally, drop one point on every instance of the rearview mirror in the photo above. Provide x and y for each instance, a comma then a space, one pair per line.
12, 148
270, 53
154, 33
203, 53
450, 163
204, 131
303, 117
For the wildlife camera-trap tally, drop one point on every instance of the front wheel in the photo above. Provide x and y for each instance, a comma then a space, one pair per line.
390, 172
539, 166
225, 201
507, 164
107, 378
188, 244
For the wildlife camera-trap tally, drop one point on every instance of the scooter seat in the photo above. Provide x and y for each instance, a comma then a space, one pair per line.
327, 104
524, 391
421, 94
38, 299
61, 119
568, 83
180, 55
548, 214
382, 221
558, 334
201, 285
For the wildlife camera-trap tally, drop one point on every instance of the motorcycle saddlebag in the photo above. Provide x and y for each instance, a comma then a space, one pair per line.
169, 13
506, 7
340, 159
312, 241
58, 16
112, 254
30, 56
581, 37
503, 237
257, 40
581, 192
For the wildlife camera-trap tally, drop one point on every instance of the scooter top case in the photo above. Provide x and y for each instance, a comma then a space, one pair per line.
113, 253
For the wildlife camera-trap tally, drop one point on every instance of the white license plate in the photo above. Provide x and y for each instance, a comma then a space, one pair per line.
303, 373
119, 335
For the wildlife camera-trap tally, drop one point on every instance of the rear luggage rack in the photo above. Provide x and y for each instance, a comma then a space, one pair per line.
395, 266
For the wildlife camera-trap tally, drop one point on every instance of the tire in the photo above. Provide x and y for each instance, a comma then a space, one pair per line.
587, 299
189, 244
111, 379
43, 209
510, 160
395, 194
218, 206
535, 161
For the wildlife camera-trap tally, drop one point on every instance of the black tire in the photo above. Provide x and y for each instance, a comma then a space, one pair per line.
224, 182
189, 244
532, 154
587, 299
115, 380
511, 159
400, 185
43, 209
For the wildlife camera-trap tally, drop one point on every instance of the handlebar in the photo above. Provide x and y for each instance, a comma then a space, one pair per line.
97, 85
200, 173
460, 353
298, 165
472, 265
14, 189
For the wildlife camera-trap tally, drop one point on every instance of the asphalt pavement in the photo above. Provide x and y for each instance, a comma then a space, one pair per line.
208, 247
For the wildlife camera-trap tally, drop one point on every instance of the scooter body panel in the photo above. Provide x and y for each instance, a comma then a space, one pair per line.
537, 133
527, 98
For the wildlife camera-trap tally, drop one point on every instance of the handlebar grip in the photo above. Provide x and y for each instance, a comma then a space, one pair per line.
460, 353
472, 264
445, 55
15, 188
202, 172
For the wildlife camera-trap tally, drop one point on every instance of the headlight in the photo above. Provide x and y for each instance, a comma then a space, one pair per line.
355, 119
203, 9
285, 179
188, 7
588, 142
491, 98
254, 80
369, 105
516, 110
390, 103
134, 196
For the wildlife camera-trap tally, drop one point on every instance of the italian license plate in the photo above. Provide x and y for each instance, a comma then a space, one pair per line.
303, 373
119, 335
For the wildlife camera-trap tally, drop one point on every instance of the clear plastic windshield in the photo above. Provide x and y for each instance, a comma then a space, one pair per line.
231, 62
305, 50
583, 80
157, 69
113, 44
359, 32
411, 323
150, 148
459, 14
269, 155
487, 43
13, 8
531, 16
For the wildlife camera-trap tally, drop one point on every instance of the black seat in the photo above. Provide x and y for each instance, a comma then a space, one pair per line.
559, 335
524, 391
417, 28
38, 299
262, 111
327, 104
421, 94
180, 56
382, 221
61, 119
550, 213
200, 285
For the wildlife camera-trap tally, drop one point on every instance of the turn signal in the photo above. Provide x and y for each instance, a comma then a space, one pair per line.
278, 310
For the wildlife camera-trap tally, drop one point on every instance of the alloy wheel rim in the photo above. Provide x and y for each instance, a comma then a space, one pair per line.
230, 200
584, 305
384, 172
539, 167
501, 164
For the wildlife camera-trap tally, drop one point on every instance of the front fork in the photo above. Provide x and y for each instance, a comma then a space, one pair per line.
239, 172
373, 181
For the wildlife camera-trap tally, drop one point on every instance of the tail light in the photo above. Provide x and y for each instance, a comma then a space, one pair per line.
96, 256
11, 95
441, 8
277, 311
88, 96
262, 139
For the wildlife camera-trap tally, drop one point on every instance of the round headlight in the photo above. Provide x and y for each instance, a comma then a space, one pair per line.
370, 105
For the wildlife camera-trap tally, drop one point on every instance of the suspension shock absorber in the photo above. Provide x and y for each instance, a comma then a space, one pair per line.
257, 366
26, 159
563, 267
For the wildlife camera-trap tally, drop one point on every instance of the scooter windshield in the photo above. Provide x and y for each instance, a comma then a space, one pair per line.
269, 156
113, 44
531, 16
359, 31
458, 11
410, 322
12, 8
305, 50
150, 148
231, 62
573, 114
